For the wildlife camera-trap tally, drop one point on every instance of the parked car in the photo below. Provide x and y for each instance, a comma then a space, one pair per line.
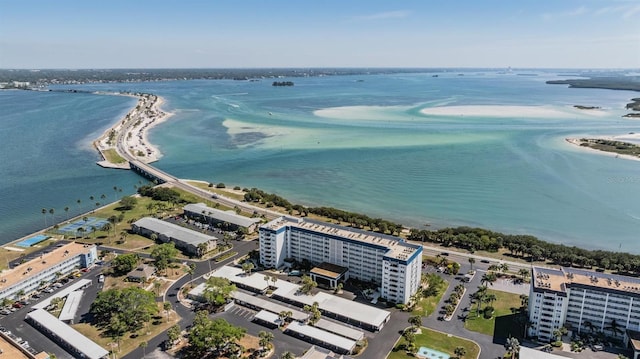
49, 290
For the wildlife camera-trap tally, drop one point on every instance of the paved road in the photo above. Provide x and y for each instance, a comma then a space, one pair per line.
171, 295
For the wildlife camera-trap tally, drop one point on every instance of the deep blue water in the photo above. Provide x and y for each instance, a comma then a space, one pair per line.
362, 146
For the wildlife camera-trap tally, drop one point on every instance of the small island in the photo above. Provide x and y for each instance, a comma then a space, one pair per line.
282, 83
626, 149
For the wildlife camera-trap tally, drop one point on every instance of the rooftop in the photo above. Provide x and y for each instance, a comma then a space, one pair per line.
175, 231
329, 270
560, 279
224, 216
396, 247
322, 335
56, 255
78, 341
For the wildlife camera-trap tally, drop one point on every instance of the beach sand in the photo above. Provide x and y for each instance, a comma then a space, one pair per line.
148, 114
511, 111
576, 142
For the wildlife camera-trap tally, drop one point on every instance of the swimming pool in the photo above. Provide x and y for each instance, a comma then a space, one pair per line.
429, 353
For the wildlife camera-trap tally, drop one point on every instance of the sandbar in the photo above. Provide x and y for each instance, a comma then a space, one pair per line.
511, 111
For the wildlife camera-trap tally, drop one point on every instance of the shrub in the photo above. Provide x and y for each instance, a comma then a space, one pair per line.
400, 306
220, 185
556, 344
236, 188
488, 312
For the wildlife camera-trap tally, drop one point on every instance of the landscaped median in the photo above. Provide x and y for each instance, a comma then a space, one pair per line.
440, 341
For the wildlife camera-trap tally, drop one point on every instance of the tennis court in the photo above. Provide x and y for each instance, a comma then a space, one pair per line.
33, 240
91, 222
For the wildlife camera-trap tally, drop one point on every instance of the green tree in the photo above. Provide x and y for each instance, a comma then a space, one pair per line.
217, 291
133, 307
265, 340
308, 284
415, 321
314, 312
513, 347
163, 255
143, 345
472, 261
247, 267
173, 334
211, 337
128, 203
125, 263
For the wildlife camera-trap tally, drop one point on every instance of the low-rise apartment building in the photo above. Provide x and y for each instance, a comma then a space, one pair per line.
50, 264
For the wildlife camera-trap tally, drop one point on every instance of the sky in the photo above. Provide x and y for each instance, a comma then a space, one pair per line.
328, 33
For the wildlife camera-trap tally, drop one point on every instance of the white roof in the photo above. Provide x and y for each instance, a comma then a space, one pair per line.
347, 308
269, 305
63, 293
353, 310
174, 231
236, 275
322, 336
223, 216
267, 317
528, 353
71, 305
71, 336
340, 329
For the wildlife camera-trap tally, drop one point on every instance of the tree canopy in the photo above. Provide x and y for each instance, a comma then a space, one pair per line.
217, 291
163, 255
211, 338
123, 310
125, 263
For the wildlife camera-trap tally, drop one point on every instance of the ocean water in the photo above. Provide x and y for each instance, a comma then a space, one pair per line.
47, 160
383, 145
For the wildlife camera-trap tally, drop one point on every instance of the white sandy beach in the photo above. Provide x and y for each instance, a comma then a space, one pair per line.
576, 143
511, 111
138, 122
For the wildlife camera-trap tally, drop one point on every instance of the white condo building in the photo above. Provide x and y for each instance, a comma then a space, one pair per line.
388, 261
582, 301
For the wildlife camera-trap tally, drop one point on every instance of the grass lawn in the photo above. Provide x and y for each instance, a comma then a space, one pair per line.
428, 305
503, 310
128, 344
112, 156
438, 341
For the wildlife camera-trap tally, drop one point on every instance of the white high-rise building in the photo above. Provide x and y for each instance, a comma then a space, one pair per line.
582, 301
388, 261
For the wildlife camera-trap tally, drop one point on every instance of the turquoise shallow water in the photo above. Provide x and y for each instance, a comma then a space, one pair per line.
361, 143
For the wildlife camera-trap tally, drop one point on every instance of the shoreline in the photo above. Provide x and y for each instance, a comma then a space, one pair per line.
134, 128
576, 142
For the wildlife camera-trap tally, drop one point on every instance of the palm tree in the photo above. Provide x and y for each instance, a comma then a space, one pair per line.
490, 298
123, 235
524, 273
143, 345
80, 231
614, 327
66, 210
524, 300
589, 325
415, 321
274, 279
78, 202
459, 352
115, 194
51, 212
512, 346
471, 262
44, 213
287, 355
157, 285
504, 267
265, 339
